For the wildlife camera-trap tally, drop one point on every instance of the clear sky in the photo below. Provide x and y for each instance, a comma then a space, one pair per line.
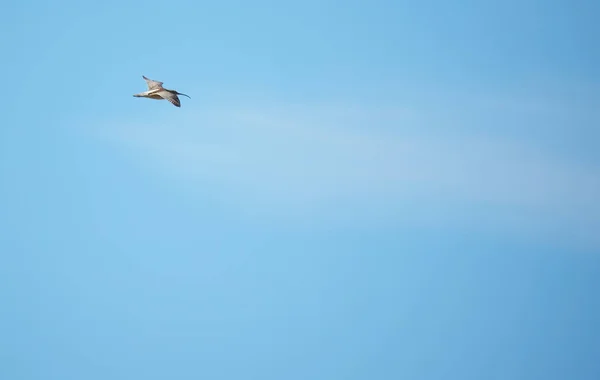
355, 190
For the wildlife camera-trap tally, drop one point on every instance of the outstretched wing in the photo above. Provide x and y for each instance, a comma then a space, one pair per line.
152, 84
170, 97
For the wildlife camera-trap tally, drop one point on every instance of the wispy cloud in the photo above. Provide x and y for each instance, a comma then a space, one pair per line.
303, 157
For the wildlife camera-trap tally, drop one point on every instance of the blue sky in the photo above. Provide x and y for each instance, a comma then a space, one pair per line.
355, 190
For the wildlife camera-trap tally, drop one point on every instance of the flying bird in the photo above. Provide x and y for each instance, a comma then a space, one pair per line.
158, 92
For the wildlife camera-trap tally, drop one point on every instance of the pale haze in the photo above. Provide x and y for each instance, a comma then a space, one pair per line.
355, 190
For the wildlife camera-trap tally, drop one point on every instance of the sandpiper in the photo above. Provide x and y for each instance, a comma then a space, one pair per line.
158, 92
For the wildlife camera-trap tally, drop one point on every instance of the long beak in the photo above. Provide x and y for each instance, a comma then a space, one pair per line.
179, 93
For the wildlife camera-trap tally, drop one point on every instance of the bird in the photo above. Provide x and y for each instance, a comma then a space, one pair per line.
158, 92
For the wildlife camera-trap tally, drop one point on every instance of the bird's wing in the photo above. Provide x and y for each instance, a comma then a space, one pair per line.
170, 97
152, 84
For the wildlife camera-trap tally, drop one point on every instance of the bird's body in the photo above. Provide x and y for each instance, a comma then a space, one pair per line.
158, 92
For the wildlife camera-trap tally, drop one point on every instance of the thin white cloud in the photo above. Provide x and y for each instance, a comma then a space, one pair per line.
302, 158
